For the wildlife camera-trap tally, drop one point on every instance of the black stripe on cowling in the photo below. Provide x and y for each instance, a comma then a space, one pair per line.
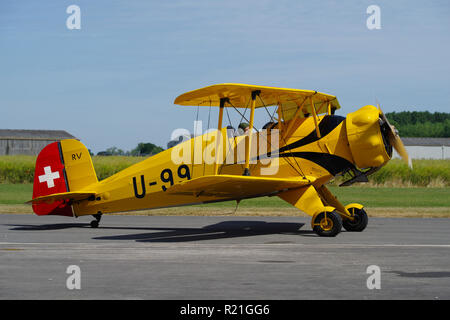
327, 125
332, 163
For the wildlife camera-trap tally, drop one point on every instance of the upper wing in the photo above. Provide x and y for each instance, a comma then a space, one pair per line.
75, 196
237, 187
239, 94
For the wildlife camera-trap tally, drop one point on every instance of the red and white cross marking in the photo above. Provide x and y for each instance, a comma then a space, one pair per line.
49, 177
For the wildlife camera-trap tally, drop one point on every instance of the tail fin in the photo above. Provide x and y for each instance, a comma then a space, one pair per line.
61, 167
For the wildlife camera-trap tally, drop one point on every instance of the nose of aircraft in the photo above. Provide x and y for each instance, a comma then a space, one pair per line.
394, 139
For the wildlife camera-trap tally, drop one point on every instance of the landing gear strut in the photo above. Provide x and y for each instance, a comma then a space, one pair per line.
94, 223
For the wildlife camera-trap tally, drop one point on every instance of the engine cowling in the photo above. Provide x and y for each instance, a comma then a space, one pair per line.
367, 145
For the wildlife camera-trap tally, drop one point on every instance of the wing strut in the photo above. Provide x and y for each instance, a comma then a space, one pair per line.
313, 109
219, 128
250, 131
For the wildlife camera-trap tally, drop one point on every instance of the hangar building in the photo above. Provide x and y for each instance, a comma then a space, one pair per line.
426, 148
28, 142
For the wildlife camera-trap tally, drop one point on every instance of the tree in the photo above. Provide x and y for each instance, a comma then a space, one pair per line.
421, 123
144, 149
112, 151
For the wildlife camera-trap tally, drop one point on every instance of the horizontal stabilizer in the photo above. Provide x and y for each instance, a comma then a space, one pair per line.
64, 196
237, 187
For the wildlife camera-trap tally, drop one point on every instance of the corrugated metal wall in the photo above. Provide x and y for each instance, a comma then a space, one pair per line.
422, 152
22, 146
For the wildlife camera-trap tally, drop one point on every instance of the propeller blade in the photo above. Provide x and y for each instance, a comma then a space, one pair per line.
395, 141
398, 145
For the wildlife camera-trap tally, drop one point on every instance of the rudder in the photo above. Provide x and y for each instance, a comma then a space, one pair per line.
62, 166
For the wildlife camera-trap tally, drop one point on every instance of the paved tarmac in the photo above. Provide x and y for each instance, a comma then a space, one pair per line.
225, 257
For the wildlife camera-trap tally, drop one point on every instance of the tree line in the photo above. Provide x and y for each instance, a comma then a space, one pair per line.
142, 149
421, 123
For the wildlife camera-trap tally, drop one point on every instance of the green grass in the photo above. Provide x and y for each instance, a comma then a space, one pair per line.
394, 197
428, 184
424, 173
431, 173
17, 169
434, 173
15, 193
107, 166
20, 169
368, 196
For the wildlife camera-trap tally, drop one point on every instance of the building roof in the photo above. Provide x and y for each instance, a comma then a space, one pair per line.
35, 134
426, 142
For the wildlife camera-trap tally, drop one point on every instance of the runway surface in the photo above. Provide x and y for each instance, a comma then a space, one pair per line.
226, 257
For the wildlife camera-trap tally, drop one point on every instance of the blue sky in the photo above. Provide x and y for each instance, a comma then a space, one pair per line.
113, 82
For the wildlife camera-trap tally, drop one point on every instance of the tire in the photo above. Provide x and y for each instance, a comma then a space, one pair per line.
327, 224
94, 224
360, 222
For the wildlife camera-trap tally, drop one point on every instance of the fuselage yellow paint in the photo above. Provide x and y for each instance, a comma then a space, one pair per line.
144, 185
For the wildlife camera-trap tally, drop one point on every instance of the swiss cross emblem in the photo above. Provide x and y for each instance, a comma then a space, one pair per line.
49, 177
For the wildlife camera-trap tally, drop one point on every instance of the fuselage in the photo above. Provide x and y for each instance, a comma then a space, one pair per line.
291, 150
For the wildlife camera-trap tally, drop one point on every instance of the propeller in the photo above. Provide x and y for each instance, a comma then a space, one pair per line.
394, 139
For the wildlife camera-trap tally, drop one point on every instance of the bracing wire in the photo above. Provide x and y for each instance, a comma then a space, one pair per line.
292, 155
207, 135
195, 131
228, 140
271, 119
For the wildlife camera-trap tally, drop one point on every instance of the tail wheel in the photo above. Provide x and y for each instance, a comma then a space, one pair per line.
94, 224
327, 224
360, 220
98, 217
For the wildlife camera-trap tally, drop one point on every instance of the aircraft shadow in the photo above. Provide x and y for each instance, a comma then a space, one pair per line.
222, 230
430, 274
58, 226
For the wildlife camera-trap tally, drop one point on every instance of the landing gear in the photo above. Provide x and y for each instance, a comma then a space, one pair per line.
94, 223
328, 214
360, 219
327, 224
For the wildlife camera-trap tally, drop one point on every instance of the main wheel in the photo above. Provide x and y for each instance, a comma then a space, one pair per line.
327, 224
94, 224
360, 220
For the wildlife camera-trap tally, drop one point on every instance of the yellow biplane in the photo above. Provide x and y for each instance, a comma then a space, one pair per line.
302, 147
